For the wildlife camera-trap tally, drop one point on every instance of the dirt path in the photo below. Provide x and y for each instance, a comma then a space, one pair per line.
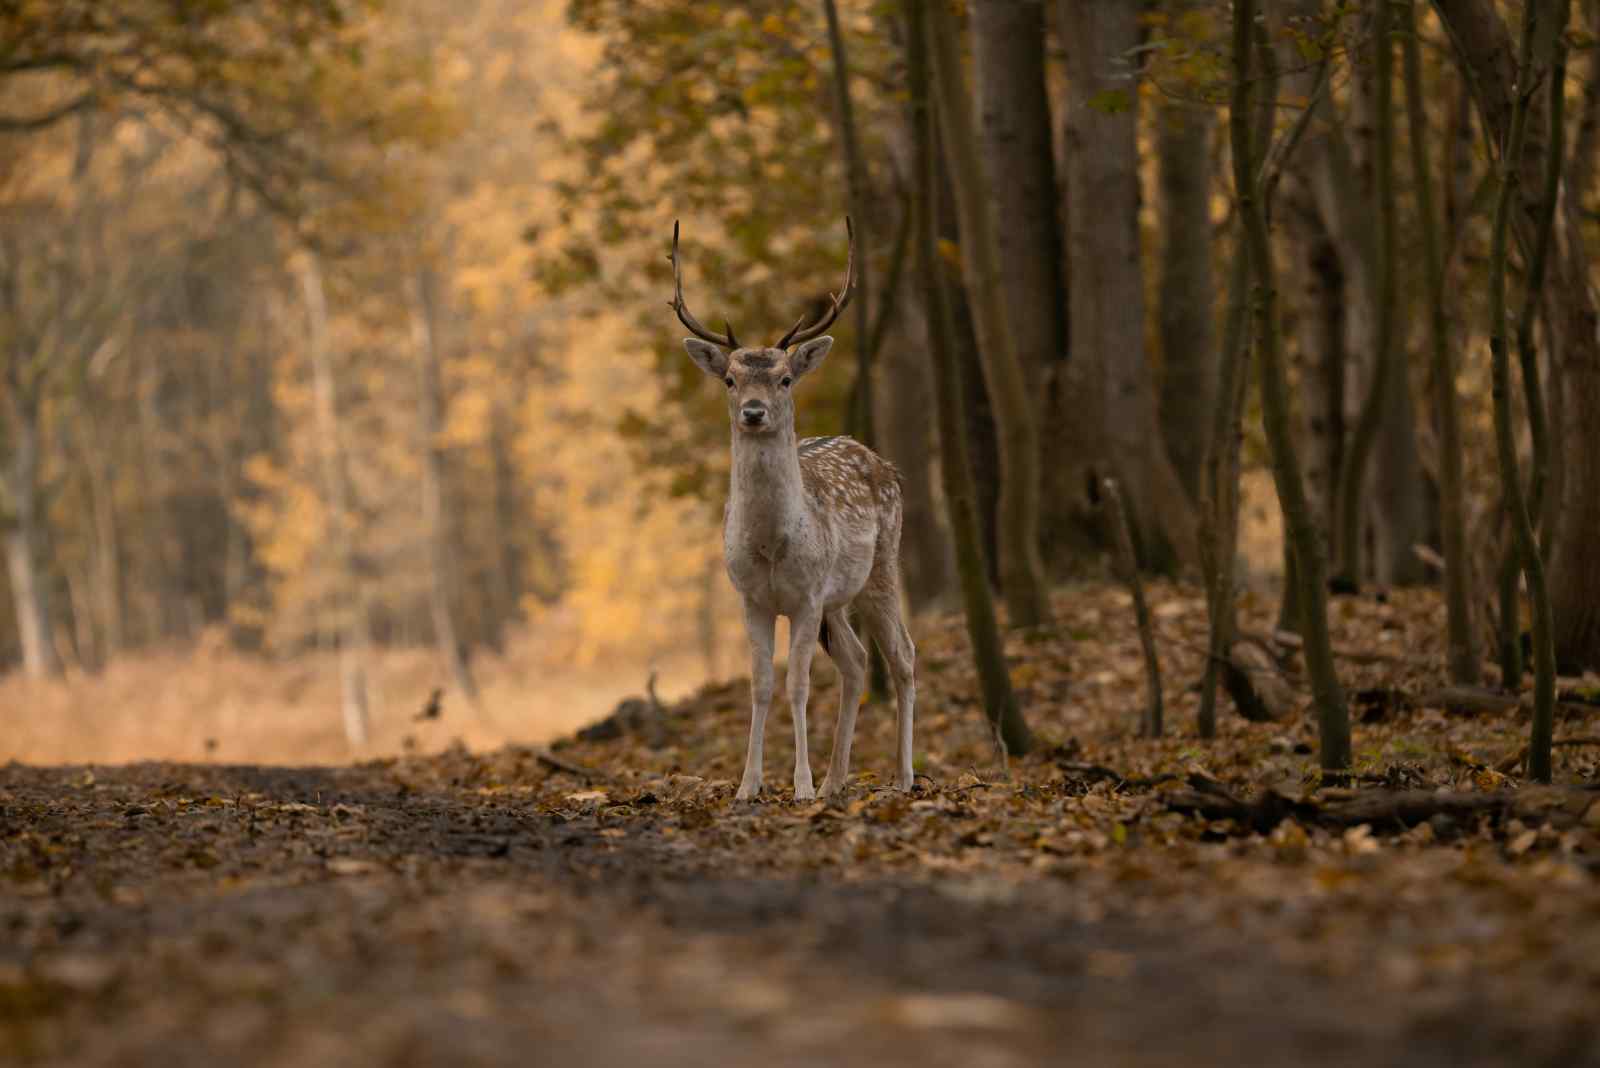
254, 916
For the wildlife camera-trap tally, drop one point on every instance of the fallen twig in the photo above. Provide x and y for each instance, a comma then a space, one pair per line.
1129, 565
550, 760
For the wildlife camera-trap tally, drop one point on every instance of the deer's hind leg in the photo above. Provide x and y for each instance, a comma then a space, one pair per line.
851, 657
879, 605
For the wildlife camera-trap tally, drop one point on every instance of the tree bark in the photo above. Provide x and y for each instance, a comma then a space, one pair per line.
1583, 162
1522, 526
1402, 514
30, 593
1219, 484
1462, 651
1187, 295
351, 609
443, 565
1483, 48
1014, 107
1327, 696
1021, 570
1393, 501
908, 441
861, 408
1106, 298
988, 651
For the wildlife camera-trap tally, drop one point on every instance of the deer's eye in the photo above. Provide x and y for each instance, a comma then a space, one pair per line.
729, 381
786, 381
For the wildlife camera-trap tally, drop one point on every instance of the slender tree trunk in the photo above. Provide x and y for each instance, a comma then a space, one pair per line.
861, 409
1219, 495
1462, 655
1505, 440
1584, 162
510, 584
1021, 570
1000, 704
1107, 294
1399, 505
1219, 484
1328, 697
1188, 337
909, 442
107, 587
442, 557
30, 592
1484, 49
352, 608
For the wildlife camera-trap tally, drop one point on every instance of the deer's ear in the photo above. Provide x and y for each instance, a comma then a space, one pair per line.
808, 355
706, 356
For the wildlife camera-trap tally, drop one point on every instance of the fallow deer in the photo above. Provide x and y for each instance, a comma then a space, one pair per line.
811, 528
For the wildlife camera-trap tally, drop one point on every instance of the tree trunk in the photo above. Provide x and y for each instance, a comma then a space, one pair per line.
1188, 337
351, 610
1320, 312
1505, 441
1584, 159
1219, 483
1402, 504
1014, 108
861, 408
1394, 501
907, 441
1021, 570
1107, 297
107, 590
988, 651
30, 593
1328, 698
1463, 654
1483, 47
442, 556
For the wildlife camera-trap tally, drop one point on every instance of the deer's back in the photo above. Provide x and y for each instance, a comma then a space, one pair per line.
851, 488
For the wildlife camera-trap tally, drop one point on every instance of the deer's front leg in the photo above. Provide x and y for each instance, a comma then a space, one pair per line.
803, 627
758, 625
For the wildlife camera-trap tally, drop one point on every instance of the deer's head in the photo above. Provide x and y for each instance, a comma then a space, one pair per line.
760, 380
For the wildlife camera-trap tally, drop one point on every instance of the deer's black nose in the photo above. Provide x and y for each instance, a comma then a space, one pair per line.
753, 415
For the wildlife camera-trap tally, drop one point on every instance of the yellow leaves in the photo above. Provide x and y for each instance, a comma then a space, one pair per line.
1489, 779
773, 24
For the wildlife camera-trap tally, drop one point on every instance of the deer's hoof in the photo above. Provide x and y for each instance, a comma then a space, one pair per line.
748, 791
830, 789
904, 782
804, 792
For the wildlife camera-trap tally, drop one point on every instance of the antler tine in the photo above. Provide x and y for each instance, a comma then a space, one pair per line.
836, 302
684, 315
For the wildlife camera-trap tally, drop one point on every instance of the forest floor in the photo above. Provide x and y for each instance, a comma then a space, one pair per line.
1109, 898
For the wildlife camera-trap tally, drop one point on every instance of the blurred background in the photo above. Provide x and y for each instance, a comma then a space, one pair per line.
338, 371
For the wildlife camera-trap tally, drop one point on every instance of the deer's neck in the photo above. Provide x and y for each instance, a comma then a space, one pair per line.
766, 499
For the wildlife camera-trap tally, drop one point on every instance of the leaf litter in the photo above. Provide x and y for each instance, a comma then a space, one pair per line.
1107, 896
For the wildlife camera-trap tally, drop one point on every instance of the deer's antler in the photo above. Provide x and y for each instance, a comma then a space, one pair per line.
836, 303
684, 315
